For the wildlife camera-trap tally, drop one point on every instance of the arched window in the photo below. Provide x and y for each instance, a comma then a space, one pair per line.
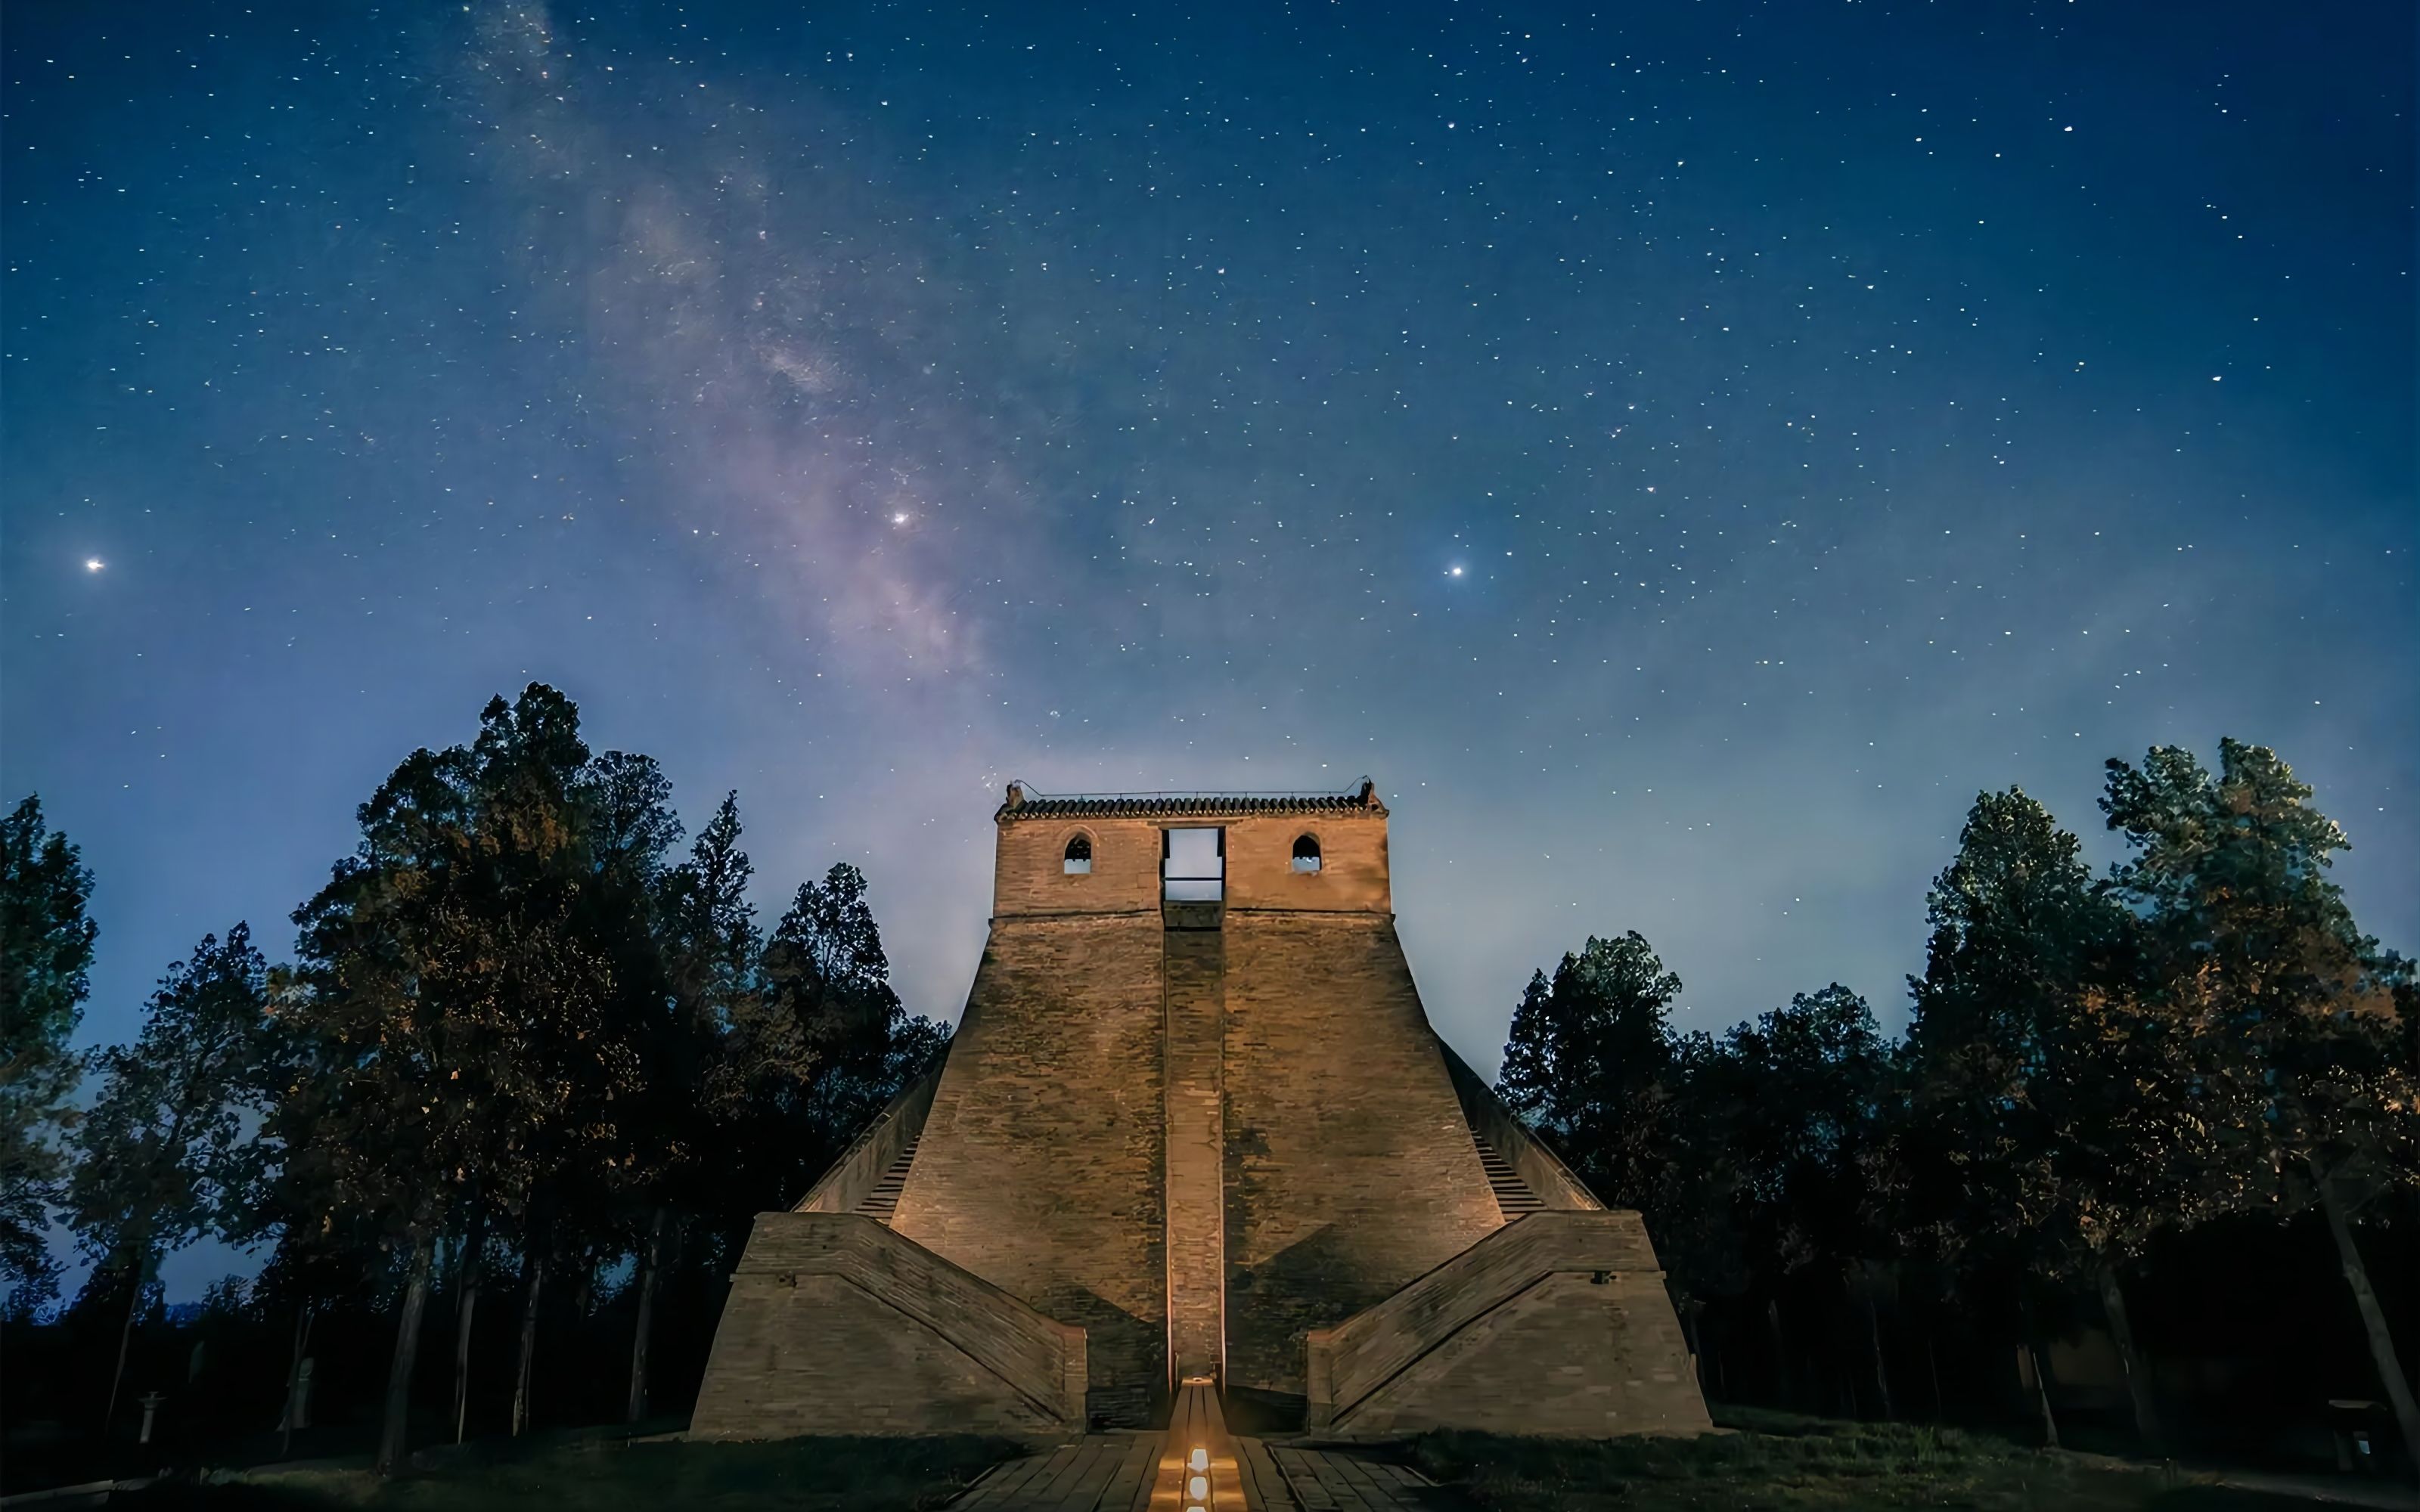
1080, 855
1305, 853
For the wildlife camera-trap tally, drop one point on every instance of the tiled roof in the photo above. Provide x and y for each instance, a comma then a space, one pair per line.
1023, 803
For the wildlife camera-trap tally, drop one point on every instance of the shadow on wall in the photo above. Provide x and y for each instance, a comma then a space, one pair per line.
1135, 1351
1320, 1279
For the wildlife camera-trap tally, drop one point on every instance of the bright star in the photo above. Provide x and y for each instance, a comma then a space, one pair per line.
899, 519
1453, 572
92, 563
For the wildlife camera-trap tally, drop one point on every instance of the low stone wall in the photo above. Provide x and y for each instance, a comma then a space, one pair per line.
1556, 1326
1539, 1167
838, 1325
872, 1153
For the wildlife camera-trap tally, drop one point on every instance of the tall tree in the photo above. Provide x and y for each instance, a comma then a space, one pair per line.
45, 955
812, 1052
2302, 1023
1590, 1061
1793, 1103
708, 938
2054, 1123
471, 1035
172, 1148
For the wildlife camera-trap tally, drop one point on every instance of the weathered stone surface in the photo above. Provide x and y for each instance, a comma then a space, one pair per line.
871, 1153
1555, 1325
836, 1324
1540, 1168
1196, 1243
1040, 1163
1209, 1138
1350, 1169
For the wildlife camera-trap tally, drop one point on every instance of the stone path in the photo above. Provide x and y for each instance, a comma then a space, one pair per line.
1152, 1473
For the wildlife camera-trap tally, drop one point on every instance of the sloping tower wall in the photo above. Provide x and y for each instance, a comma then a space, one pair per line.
1218, 1138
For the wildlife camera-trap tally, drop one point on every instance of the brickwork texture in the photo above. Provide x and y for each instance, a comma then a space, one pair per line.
1215, 1139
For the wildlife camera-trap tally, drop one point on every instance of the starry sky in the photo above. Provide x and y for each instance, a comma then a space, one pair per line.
1681, 450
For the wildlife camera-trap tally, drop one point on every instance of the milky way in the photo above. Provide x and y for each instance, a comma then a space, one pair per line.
1680, 455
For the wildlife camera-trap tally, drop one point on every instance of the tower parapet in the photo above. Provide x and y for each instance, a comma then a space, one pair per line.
1117, 853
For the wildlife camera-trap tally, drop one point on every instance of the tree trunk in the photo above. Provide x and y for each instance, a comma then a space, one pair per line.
1780, 1354
536, 1265
2035, 1368
397, 1429
2042, 1394
2138, 1375
650, 1276
125, 1337
466, 1290
2373, 1317
286, 1423
1933, 1366
1874, 1341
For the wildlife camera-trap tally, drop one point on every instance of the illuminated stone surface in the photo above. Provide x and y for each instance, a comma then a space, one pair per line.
1220, 1138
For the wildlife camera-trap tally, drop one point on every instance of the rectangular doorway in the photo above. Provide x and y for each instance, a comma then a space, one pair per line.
1193, 865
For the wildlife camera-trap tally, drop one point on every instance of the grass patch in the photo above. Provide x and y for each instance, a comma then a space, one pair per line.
1776, 1464
817, 1474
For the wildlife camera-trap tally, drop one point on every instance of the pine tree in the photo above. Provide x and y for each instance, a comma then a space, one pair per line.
1590, 1060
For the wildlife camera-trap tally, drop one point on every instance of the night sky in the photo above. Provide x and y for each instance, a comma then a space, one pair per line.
1682, 453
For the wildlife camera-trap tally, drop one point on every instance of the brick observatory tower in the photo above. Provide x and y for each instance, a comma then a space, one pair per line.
1194, 1124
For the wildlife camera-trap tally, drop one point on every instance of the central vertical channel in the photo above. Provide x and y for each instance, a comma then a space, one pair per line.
1191, 1052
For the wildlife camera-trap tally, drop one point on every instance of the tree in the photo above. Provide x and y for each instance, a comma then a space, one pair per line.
709, 943
2054, 1124
45, 955
172, 1148
2301, 1024
1590, 1061
812, 1054
1789, 1108
471, 1036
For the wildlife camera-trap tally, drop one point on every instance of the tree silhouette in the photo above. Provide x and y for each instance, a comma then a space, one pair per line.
172, 1148
45, 954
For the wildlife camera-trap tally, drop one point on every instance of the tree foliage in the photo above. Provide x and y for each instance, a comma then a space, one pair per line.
45, 955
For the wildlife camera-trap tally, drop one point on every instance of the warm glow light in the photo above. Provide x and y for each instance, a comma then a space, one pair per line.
1200, 1459
1198, 1488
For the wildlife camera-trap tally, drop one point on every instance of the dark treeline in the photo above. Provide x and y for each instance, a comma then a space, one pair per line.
2169, 1105
500, 1127
500, 1124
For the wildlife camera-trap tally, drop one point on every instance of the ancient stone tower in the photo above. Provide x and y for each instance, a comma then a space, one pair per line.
1194, 1124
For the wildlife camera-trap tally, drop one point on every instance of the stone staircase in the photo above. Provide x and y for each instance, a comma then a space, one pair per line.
882, 1202
1513, 1197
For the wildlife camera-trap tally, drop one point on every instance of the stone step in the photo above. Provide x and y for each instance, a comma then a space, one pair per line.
882, 1203
1513, 1197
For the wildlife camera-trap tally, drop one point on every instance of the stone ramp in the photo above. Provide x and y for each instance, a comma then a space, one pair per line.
837, 1324
1153, 1473
1556, 1325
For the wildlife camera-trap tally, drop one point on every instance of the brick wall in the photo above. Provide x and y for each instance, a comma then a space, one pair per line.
1040, 1166
1350, 1170
835, 1324
1352, 863
1557, 1325
1030, 875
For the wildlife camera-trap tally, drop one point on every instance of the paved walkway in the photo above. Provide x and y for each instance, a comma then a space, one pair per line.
1139, 1472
